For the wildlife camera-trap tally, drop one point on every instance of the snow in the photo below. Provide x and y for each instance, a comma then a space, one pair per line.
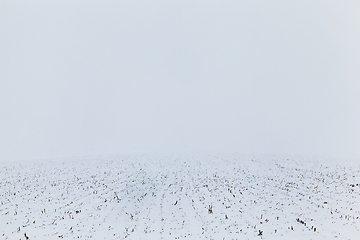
181, 197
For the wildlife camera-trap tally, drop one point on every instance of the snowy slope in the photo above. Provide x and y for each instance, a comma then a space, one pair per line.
181, 197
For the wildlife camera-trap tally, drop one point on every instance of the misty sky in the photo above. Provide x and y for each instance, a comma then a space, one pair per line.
112, 77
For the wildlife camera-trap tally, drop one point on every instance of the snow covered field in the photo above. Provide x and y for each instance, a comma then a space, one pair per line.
181, 197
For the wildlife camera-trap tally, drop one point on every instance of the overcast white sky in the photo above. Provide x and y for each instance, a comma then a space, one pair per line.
111, 77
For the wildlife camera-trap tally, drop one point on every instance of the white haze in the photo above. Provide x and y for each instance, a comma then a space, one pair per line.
113, 77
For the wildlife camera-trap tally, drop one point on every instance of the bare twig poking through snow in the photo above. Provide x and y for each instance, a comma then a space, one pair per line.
210, 209
118, 199
301, 221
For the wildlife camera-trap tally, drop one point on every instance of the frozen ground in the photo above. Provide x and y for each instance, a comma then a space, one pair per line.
181, 197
